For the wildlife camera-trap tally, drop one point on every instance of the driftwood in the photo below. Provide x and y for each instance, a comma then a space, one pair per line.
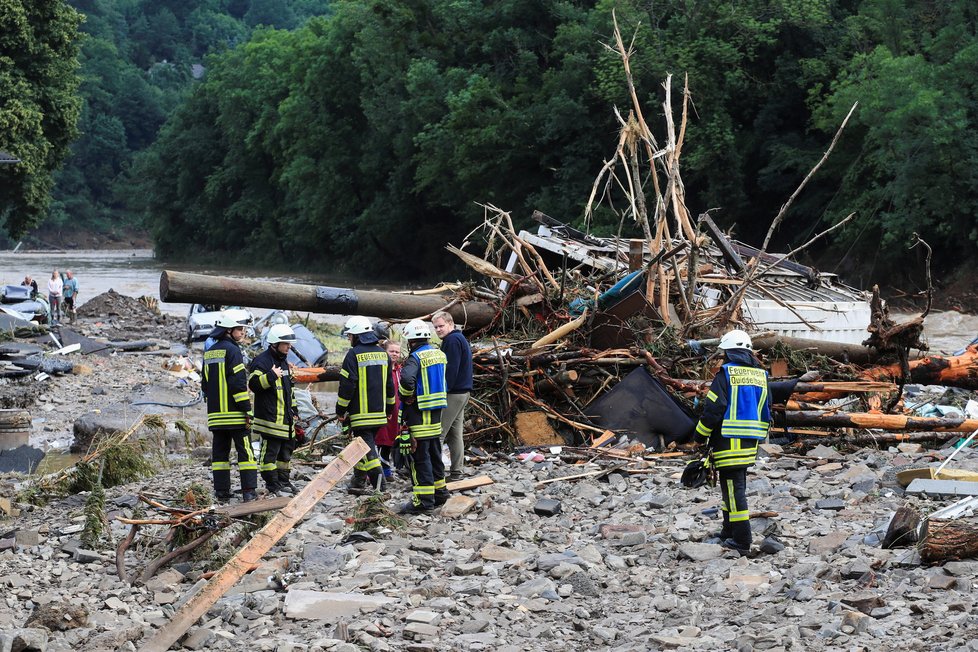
262, 542
903, 528
880, 438
881, 421
955, 371
943, 540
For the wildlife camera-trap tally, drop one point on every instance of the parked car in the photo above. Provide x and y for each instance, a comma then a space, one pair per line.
307, 350
202, 317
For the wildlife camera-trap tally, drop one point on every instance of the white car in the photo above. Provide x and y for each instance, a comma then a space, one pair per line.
202, 318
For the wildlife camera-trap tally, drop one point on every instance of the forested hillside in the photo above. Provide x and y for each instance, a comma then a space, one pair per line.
364, 139
361, 134
138, 60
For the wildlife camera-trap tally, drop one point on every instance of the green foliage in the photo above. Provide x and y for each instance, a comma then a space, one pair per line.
95, 519
137, 63
38, 105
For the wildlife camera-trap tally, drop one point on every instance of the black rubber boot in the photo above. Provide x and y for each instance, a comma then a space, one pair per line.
271, 481
284, 483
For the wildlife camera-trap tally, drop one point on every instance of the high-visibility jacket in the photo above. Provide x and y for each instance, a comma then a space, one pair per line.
737, 414
275, 402
225, 385
366, 391
423, 378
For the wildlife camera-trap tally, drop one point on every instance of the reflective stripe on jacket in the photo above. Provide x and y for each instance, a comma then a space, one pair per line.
737, 411
274, 399
423, 377
224, 382
366, 389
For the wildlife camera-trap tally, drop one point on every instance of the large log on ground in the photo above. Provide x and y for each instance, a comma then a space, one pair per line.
183, 287
880, 421
855, 353
944, 540
956, 371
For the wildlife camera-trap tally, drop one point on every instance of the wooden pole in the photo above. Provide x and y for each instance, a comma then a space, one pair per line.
955, 371
253, 551
183, 287
880, 421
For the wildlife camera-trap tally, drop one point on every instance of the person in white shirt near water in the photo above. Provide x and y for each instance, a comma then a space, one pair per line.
55, 287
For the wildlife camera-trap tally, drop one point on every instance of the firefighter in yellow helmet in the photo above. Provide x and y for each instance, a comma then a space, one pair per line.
735, 420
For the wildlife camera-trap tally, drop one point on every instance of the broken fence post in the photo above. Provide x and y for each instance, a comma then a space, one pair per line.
261, 543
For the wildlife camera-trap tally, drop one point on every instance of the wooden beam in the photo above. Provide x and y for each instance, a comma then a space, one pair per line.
470, 483
261, 543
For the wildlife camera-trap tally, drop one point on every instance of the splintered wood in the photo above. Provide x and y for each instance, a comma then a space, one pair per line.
260, 544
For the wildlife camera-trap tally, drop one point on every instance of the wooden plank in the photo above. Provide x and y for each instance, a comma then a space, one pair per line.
470, 483
253, 551
605, 437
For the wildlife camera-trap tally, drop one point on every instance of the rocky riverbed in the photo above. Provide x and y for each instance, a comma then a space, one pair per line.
620, 567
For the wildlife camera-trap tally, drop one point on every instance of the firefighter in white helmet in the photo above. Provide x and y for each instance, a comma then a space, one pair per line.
423, 400
735, 420
270, 379
365, 398
224, 382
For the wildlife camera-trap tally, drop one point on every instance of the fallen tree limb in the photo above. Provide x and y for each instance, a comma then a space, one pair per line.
560, 332
880, 421
261, 543
943, 540
955, 371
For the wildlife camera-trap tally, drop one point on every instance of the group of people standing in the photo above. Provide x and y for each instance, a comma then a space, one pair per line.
407, 409
62, 294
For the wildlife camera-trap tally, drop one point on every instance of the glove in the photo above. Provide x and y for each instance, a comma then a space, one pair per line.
404, 443
300, 435
345, 426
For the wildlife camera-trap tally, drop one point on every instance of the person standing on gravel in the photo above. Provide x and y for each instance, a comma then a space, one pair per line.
736, 418
423, 400
458, 376
365, 398
55, 287
70, 292
276, 410
224, 382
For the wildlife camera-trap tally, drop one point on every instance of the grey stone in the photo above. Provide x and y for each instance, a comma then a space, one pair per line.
198, 639
547, 507
881, 612
319, 559
491, 552
24, 639
548, 561
921, 486
535, 587
83, 556
471, 568
962, 568
27, 538
583, 585
474, 626
824, 452
331, 607
423, 616
771, 546
835, 504
656, 501
701, 551
420, 630
631, 539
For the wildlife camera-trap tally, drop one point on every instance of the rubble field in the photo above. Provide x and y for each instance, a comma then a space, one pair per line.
619, 566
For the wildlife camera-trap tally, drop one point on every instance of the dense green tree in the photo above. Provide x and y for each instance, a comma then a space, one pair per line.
38, 105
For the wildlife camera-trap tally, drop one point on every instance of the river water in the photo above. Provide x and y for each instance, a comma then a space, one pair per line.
137, 273
134, 273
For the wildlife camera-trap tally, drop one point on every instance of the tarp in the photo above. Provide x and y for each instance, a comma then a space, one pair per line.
641, 407
14, 293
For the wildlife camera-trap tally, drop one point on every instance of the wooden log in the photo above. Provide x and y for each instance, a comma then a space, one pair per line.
261, 543
879, 421
855, 353
943, 540
827, 439
955, 371
183, 287
561, 331
903, 528
316, 374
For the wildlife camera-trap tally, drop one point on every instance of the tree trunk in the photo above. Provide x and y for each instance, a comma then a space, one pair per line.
946, 540
881, 421
182, 287
956, 371
902, 531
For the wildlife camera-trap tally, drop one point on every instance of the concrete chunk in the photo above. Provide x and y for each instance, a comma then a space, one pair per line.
942, 487
331, 607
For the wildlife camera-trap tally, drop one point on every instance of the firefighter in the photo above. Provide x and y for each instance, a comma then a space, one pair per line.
275, 410
225, 386
423, 399
365, 398
735, 420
